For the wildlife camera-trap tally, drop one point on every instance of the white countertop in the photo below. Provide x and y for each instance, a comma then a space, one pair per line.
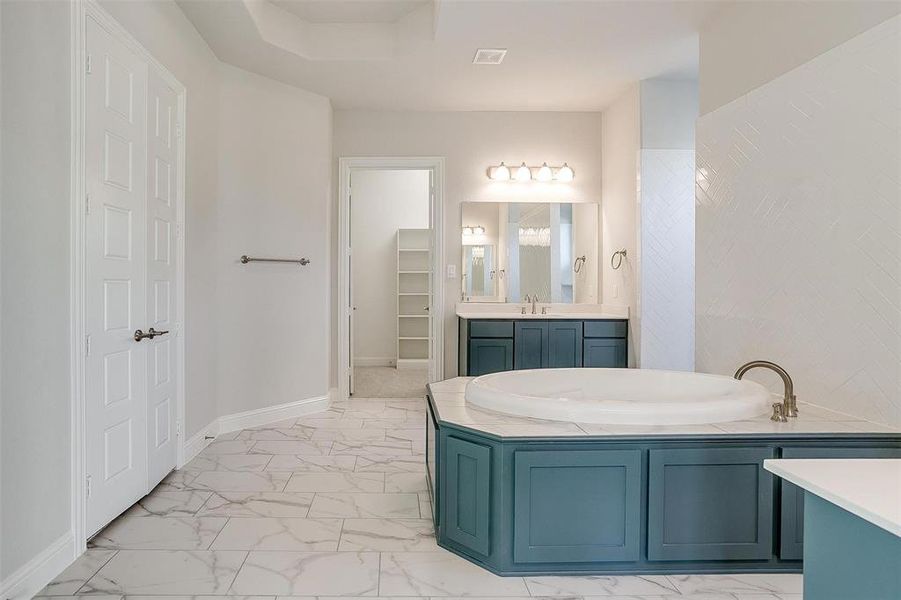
497, 310
868, 488
450, 404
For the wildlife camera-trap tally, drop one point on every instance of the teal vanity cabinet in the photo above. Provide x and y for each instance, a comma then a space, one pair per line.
579, 506
791, 526
468, 481
712, 503
492, 345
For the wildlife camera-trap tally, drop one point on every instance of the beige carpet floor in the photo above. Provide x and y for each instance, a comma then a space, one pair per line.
388, 382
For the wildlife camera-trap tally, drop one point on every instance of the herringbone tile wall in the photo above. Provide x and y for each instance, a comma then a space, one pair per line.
666, 301
799, 228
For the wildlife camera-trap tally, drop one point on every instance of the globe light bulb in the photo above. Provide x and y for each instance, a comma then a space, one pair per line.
523, 173
544, 173
501, 173
565, 173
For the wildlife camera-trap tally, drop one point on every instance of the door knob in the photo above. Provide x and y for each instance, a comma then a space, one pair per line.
151, 333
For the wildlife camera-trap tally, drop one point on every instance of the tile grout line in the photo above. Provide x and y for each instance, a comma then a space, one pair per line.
218, 533
237, 572
92, 575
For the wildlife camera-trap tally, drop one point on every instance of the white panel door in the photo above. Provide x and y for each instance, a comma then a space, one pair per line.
115, 276
162, 159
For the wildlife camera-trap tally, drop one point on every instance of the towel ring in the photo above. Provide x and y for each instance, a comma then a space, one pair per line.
577, 265
616, 261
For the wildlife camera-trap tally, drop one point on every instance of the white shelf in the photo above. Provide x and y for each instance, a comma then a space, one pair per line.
414, 283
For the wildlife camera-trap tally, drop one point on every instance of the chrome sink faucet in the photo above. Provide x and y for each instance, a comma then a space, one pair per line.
534, 304
527, 299
789, 405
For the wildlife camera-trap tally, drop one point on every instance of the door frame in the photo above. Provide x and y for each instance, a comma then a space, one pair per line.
81, 11
346, 167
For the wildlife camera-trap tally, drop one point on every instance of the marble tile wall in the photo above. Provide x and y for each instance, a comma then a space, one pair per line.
799, 228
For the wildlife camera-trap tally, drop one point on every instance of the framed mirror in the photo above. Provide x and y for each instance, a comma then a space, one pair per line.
546, 250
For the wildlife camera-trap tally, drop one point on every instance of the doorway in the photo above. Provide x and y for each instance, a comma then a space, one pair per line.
129, 401
390, 324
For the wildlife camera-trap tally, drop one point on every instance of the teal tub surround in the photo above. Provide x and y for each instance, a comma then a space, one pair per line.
526, 496
852, 523
493, 342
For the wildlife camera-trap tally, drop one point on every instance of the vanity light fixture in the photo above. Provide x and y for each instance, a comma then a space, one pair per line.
499, 173
467, 231
523, 173
544, 173
478, 230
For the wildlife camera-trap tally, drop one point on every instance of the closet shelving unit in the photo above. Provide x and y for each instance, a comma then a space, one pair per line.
414, 290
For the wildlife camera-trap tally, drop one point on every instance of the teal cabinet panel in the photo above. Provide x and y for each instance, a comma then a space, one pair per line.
710, 504
791, 521
530, 344
491, 329
606, 329
564, 344
577, 506
847, 556
468, 494
604, 352
487, 355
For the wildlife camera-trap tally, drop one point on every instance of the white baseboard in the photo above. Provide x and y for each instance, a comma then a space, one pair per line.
255, 418
413, 363
200, 440
271, 414
30, 578
332, 395
370, 361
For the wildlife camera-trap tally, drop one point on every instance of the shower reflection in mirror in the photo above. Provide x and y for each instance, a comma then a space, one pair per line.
514, 249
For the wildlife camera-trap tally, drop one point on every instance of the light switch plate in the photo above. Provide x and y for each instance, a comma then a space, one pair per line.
451, 271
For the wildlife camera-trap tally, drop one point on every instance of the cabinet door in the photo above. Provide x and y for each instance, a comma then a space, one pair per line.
564, 344
710, 504
605, 353
791, 527
467, 494
530, 345
490, 356
577, 506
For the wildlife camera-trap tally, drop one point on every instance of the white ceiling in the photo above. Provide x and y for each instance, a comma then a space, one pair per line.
417, 54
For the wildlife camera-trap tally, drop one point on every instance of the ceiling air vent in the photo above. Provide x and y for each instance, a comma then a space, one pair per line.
489, 56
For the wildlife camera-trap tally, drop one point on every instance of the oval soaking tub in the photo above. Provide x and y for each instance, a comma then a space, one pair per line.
619, 396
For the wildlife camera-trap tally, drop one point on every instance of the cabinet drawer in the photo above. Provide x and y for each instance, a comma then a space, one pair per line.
710, 504
605, 329
491, 329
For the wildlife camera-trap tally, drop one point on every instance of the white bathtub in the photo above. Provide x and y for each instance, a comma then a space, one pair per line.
619, 396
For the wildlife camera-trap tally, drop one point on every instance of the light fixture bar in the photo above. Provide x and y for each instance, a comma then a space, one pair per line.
525, 173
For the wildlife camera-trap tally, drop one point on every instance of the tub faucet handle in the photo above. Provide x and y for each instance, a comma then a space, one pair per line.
778, 413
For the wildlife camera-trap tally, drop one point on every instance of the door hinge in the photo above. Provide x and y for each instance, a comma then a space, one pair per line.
87, 486
87, 345
178, 131
87, 204
178, 429
179, 230
88, 64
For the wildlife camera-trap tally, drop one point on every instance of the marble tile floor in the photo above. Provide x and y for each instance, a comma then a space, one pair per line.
329, 505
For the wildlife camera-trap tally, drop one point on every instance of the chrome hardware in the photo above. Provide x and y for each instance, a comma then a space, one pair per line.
151, 333
614, 263
300, 261
778, 413
577, 265
544, 310
789, 400
534, 304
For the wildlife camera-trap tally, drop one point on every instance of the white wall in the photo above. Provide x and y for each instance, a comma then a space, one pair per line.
798, 212
274, 200
621, 134
666, 234
35, 388
383, 202
471, 141
167, 34
749, 43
